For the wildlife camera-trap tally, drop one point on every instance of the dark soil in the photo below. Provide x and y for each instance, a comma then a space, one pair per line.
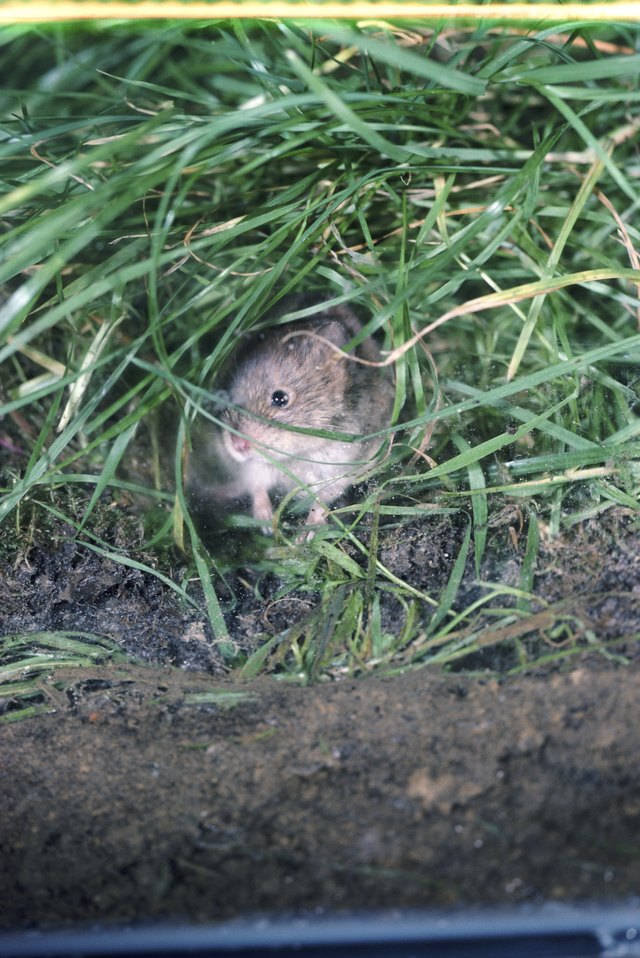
171, 789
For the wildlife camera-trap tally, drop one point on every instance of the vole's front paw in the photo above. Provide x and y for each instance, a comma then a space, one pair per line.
263, 511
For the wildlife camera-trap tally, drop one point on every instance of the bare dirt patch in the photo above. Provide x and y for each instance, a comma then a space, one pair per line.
169, 789
415, 790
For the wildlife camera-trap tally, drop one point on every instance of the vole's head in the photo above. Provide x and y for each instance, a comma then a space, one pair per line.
290, 376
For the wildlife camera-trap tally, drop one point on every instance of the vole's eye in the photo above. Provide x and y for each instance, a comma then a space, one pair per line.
279, 398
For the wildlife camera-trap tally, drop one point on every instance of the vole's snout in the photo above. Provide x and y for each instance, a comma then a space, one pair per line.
241, 445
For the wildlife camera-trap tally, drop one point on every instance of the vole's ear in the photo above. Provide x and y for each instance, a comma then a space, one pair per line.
318, 344
326, 335
335, 366
335, 332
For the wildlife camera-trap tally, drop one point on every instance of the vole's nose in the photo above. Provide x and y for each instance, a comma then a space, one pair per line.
240, 444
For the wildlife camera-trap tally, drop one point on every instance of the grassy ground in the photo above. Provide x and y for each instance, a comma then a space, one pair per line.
474, 191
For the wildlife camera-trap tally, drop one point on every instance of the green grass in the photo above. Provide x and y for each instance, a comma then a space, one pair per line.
162, 187
27, 660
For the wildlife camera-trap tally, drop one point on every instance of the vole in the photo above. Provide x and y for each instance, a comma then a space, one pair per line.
291, 377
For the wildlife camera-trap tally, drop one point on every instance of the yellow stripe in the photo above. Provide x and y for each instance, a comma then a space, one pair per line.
26, 12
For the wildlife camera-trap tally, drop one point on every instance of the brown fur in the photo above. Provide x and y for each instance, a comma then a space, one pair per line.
326, 391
